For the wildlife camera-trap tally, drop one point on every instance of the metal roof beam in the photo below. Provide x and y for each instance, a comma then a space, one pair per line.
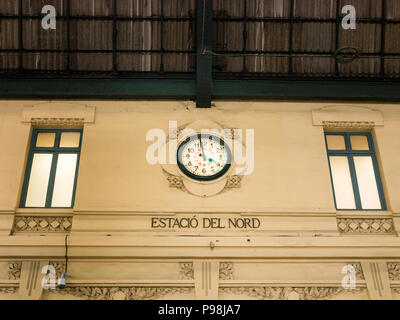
204, 59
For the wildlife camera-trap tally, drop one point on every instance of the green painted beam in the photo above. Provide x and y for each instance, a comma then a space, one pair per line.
307, 89
97, 88
204, 22
186, 89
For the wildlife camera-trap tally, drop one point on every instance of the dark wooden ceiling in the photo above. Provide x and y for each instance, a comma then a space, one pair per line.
157, 38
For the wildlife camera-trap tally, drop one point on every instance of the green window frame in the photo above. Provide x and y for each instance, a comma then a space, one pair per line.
354, 158
53, 154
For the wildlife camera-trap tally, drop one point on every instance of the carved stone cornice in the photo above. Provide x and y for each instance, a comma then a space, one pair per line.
14, 270
186, 271
285, 293
394, 270
369, 226
42, 224
121, 293
348, 124
226, 271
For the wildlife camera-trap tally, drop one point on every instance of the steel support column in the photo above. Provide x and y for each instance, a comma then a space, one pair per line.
204, 58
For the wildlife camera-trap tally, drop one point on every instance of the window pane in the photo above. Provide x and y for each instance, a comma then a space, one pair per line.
367, 183
64, 181
335, 142
359, 143
342, 183
45, 139
70, 139
39, 180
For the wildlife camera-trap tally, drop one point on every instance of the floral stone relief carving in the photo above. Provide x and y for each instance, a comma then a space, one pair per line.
186, 271
122, 293
14, 270
226, 271
290, 293
394, 270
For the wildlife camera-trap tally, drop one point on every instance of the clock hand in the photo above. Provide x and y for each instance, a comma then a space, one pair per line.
202, 150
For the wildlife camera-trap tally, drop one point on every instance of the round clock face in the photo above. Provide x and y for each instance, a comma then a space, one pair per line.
204, 157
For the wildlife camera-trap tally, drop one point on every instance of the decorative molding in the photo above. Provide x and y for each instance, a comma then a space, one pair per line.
370, 226
121, 293
206, 279
14, 270
59, 113
394, 270
226, 271
175, 181
59, 266
233, 182
186, 271
359, 271
231, 134
62, 122
185, 131
348, 124
203, 189
30, 285
377, 279
8, 290
396, 290
347, 117
42, 224
289, 293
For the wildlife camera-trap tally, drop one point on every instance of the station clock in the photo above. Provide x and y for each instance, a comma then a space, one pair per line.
204, 157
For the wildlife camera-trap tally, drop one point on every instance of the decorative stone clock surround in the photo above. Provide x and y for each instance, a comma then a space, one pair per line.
177, 179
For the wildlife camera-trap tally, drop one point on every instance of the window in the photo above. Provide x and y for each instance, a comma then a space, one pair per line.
354, 170
52, 167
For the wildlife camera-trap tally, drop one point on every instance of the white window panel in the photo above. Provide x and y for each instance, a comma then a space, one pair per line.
39, 180
342, 184
367, 183
64, 180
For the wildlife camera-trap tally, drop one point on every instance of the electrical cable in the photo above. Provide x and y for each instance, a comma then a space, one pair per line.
66, 254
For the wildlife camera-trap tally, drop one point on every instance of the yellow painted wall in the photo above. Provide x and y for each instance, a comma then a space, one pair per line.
118, 193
